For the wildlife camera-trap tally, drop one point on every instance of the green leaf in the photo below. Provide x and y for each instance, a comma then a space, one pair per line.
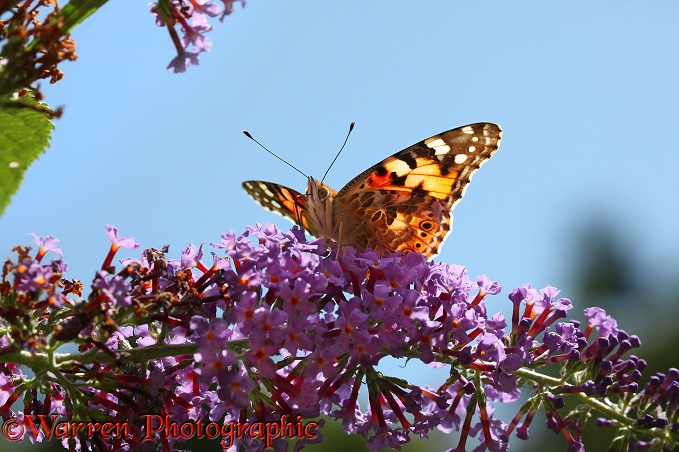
76, 11
72, 14
24, 135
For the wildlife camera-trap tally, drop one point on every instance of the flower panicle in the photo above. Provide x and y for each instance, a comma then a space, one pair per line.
278, 327
175, 14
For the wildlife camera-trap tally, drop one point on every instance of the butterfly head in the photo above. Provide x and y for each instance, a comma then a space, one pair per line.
317, 190
319, 210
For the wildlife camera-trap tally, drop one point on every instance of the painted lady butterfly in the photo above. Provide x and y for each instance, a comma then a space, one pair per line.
402, 203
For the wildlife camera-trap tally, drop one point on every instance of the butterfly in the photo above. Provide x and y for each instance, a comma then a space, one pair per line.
402, 203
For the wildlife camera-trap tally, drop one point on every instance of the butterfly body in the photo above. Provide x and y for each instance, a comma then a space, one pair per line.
402, 203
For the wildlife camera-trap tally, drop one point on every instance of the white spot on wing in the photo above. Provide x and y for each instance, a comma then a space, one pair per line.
475, 139
13, 165
471, 149
438, 145
436, 142
442, 149
468, 130
460, 158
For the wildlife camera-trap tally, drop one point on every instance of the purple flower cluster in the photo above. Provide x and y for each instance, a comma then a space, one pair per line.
170, 13
277, 327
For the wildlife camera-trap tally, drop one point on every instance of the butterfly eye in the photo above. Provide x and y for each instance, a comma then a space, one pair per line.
323, 193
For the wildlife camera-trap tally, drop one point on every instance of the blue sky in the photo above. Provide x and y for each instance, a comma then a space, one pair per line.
587, 96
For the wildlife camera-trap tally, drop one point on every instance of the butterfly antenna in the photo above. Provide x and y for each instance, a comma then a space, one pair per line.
351, 127
247, 134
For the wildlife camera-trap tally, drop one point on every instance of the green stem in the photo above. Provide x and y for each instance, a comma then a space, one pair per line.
604, 406
41, 360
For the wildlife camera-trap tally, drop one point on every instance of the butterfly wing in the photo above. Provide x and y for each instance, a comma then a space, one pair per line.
279, 199
405, 201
